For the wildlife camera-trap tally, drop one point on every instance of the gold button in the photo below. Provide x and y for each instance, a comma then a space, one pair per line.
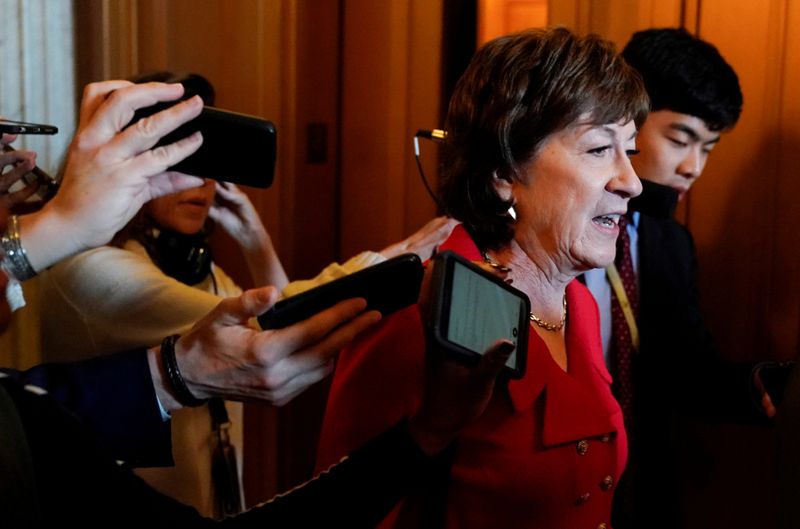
602, 526
583, 498
607, 483
582, 447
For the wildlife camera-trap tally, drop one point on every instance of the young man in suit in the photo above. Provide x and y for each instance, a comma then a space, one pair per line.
660, 353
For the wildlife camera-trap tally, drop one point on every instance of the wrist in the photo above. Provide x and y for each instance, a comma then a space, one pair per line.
42, 248
173, 377
163, 389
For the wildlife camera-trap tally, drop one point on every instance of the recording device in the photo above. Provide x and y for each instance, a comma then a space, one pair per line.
471, 309
236, 147
387, 287
8, 126
438, 136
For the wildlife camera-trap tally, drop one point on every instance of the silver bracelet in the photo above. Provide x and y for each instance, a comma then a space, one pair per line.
14, 258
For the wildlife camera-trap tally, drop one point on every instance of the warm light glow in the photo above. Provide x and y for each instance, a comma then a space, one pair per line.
498, 17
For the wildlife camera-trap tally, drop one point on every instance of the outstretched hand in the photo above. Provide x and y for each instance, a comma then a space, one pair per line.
424, 240
224, 356
454, 393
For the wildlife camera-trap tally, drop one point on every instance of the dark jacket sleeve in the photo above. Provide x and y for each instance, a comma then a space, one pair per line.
113, 396
678, 349
77, 483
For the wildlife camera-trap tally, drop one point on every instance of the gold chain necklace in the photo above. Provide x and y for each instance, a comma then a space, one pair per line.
552, 326
534, 318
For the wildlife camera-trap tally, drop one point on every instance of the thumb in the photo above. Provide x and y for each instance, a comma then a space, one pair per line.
494, 359
251, 303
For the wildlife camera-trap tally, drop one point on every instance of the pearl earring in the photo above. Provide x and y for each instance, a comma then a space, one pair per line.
512, 212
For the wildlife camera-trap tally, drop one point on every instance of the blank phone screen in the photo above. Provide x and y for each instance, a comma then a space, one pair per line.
481, 313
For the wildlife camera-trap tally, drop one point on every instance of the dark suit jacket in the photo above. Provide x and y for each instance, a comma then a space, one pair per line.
114, 397
677, 369
76, 483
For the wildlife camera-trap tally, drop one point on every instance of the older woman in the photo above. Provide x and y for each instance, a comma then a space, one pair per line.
542, 124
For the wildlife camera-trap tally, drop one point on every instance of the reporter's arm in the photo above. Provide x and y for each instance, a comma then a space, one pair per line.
111, 170
223, 357
115, 398
234, 212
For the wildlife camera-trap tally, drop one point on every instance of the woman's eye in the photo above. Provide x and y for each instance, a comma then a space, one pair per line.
632, 152
600, 151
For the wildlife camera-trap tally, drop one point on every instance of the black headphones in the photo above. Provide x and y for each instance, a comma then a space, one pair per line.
186, 258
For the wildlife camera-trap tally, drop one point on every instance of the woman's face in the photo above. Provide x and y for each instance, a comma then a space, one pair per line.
573, 193
183, 212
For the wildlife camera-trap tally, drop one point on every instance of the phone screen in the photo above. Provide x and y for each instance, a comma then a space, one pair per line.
482, 312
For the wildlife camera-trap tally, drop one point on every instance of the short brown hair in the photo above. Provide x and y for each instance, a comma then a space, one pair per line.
517, 90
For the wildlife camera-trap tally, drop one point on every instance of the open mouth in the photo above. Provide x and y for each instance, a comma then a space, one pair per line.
607, 221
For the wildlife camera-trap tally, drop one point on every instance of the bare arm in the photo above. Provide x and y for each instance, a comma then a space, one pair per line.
234, 212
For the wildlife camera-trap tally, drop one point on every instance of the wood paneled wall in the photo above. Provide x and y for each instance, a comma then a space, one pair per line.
390, 90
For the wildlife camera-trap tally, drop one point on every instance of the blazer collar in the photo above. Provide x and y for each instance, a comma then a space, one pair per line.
571, 411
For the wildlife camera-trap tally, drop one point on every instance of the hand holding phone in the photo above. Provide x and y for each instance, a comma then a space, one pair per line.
236, 147
470, 309
387, 287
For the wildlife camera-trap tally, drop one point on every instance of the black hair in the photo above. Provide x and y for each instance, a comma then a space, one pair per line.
685, 74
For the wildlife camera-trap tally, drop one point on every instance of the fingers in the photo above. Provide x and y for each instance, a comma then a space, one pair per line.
171, 182
227, 191
312, 330
158, 160
146, 132
5, 138
494, 359
294, 373
17, 197
299, 384
94, 95
24, 161
236, 311
110, 106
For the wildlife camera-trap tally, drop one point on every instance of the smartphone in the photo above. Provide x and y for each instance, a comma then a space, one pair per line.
387, 287
236, 147
8, 126
471, 309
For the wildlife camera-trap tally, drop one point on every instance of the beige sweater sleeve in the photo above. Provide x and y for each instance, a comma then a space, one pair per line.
111, 299
334, 271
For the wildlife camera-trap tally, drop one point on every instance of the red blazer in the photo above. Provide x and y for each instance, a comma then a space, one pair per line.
549, 449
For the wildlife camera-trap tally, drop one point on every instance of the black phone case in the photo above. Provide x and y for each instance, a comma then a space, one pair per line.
437, 317
387, 287
236, 147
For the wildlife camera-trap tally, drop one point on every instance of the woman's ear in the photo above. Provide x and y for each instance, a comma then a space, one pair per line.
502, 186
